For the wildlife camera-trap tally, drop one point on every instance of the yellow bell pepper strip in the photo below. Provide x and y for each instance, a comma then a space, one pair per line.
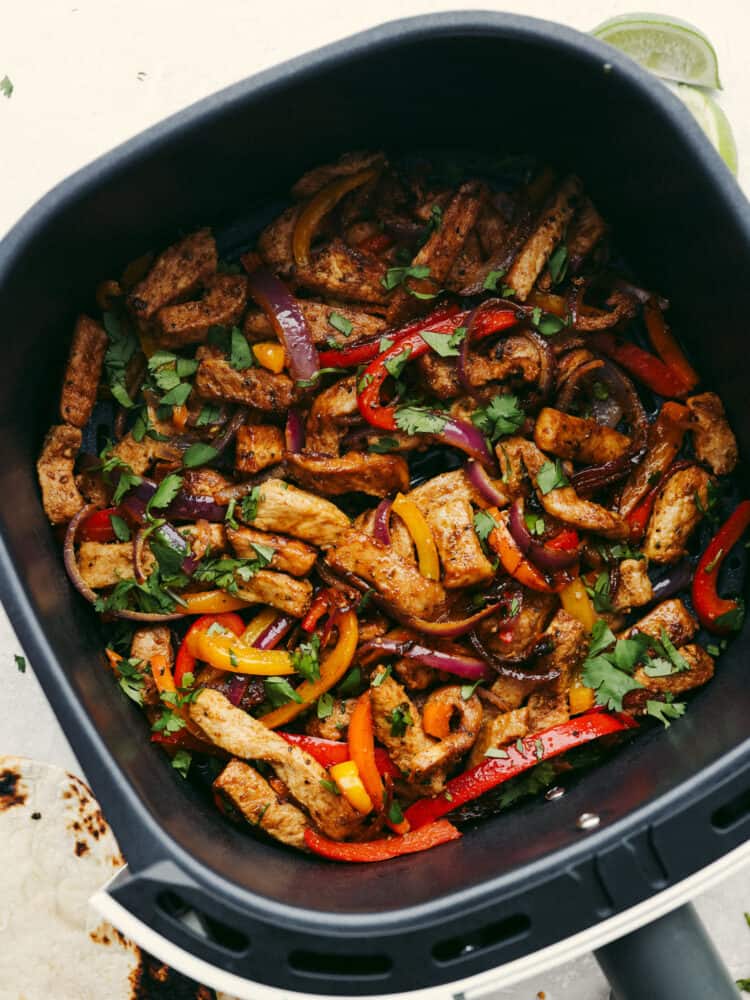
666, 346
349, 783
332, 669
227, 652
258, 625
210, 602
185, 661
719, 614
319, 206
577, 603
429, 836
580, 698
271, 355
419, 530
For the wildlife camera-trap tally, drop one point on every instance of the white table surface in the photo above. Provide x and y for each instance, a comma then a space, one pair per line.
90, 73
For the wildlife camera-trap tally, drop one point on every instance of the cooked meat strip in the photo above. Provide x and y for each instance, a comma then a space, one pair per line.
275, 242
701, 670
548, 705
92, 487
283, 592
447, 486
348, 164
538, 248
713, 439
414, 676
334, 726
398, 581
251, 795
580, 440
291, 511
175, 274
104, 564
344, 272
663, 443
440, 251
318, 315
204, 537
152, 640
60, 497
451, 522
517, 637
361, 471
216, 379
190, 322
290, 555
257, 446
330, 414
205, 482
498, 731
439, 375
585, 231
140, 455
82, 372
676, 514
401, 540
243, 736
671, 616
633, 585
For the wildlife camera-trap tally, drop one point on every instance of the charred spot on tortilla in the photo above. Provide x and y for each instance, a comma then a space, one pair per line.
10, 793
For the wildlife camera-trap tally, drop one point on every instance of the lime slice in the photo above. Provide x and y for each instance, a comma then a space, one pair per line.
712, 120
667, 46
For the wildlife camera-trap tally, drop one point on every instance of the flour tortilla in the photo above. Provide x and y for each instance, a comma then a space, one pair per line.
56, 850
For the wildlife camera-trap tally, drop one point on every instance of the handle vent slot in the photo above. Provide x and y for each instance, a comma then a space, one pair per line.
489, 936
200, 925
317, 965
733, 813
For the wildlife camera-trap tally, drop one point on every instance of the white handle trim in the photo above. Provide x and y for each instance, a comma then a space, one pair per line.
472, 988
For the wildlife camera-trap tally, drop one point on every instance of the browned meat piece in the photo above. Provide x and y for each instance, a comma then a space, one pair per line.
205, 482
398, 726
525, 629
492, 229
440, 251
216, 379
451, 521
398, 581
334, 726
82, 372
290, 555
713, 439
364, 472
60, 497
548, 706
584, 232
538, 248
105, 564
175, 274
330, 414
189, 322
243, 736
257, 447
676, 514
205, 538
257, 326
450, 486
343, 272
513, 359
275, 242
348, 164
663, 444
498, 731
439, 375
468, 267
580, 440
251, 795
414, 676
140, 455
92, 487
633, 587
671, 616
152, 640
284, 508
701, 670
401, 540
284, 592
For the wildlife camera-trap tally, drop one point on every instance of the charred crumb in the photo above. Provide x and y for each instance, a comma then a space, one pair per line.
10, 793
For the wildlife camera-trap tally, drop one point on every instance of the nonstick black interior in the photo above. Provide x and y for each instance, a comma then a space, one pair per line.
670, 803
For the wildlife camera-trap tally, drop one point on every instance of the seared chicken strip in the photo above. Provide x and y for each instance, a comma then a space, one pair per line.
713, 439
548, 706
320, 317
251, 795
664, 441
82, 372
580, 440
291, 511
257, 447
676, 514
330, 414
190, 322
284, 592
670, 616
60, 497
290, 555
216, 379
361, 471
175, 274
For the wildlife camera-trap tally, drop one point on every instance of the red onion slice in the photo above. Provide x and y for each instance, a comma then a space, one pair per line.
382, 523
546, 559
467, 438
294, 432
480, 480
288, 322
223, 440
452, 663
271, 636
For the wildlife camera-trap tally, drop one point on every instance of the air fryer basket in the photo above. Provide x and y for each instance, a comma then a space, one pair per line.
670, 803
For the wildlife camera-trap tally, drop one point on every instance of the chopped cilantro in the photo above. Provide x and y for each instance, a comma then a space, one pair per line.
20, 663
416, 420
732, 620
229, 516
249, 505
329, 786
124, 476
224, 572
547, 323
484, 523
209, 414
551, 477
497, 752
558, 264
325, 705
340, 323
181, 762
396, 364
600, 594
121, 347
381, 676
443, 344
611, 685
306, 659
381, 446
534, 523
665, 711
120, 528
436, 218
395, 812
279, 691
198, 454
395, 276
166, 491
130, 679
400, 718
490, 282
467, 690
538, 749
350, 684
600, 391
6, 86
240, 355
503, 415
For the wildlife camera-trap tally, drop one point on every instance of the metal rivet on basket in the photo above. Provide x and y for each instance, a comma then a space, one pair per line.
588, 821
556, 792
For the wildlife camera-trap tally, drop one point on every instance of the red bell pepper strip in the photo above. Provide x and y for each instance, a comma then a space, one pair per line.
330, 752
716, 613
647, 368
98, 526
639, 516
388, 847
520, 757
375, 244
665, 344
564, 541
366, 350
512, 559
319, 607
371, 382
185, 661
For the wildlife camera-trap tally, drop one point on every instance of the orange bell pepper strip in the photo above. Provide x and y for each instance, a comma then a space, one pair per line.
719, 614
179, 417
329, 752
388, 847
419, 529
349, 783
361, 737
206, 602
271, 355
162, 674
225, 652
436, 719
645, 367
580, 697
185, 661
332, 668
514, 563
319, 206
666, 346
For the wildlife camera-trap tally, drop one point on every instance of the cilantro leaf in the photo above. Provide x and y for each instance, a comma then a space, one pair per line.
441, 343
558, 264
732, 621
240, 355
350, 684
599, 593
416, 420
325, 705
279, 691
602, 637
20, 663
551, 477
166, 491
177, 396
503, 415
306, 659
484, 523
249, 504
396, 364
121, 347
198, 454
120, 528
209, 414
665, 711
6, 86
400, 718
611, 685
395, 276
181, 762
490, 282
340, 323
381, 446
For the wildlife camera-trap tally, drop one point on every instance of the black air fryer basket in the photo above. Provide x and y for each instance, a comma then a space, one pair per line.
671, 802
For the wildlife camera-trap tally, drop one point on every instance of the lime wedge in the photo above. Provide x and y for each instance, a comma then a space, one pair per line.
667, 46
712, 120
